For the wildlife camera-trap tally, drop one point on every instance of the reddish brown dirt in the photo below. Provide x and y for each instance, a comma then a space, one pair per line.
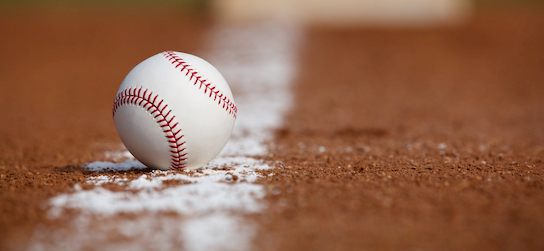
414, 140
399, 139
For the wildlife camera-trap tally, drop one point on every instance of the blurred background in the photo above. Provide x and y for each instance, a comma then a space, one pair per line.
340, 12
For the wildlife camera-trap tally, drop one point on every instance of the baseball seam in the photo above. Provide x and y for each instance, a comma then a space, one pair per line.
202, 83
159, 110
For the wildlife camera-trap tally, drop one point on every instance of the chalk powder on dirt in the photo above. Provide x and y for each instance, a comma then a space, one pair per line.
259, 62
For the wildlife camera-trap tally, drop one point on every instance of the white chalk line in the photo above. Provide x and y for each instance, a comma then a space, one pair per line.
258, 61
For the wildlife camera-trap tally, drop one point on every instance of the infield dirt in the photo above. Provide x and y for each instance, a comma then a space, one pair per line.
427, 139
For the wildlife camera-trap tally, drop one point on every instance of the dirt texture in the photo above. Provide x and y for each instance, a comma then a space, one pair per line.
419, 139
414, 140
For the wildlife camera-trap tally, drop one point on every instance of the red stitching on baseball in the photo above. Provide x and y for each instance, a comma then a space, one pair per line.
223, 101
133, 95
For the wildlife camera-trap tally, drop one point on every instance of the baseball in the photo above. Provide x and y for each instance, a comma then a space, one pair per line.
174, 111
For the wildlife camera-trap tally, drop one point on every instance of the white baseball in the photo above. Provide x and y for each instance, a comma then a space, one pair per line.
173, 111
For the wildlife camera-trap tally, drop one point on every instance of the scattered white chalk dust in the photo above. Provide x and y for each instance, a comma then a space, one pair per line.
206, 212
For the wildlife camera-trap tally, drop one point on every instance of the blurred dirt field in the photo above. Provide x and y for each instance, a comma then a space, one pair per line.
415, 139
